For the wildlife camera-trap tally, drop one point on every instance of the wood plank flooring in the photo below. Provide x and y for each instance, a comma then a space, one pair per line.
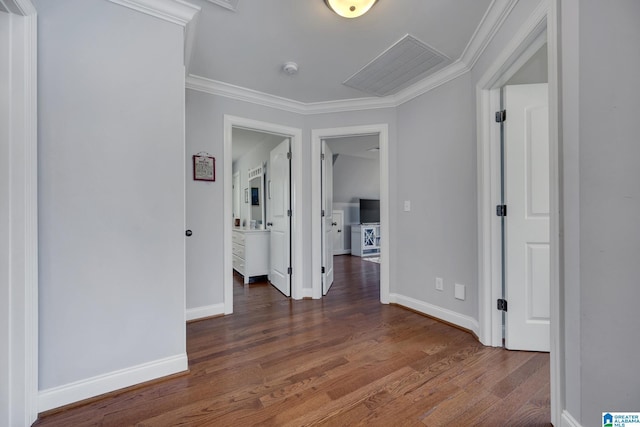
344, 360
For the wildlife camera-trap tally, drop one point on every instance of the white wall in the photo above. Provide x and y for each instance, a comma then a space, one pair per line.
437, 238
534, 70
355, 178
602, 140
204, 201
111, 205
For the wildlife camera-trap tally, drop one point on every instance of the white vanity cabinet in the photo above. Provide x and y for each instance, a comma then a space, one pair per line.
365, 239
251, 253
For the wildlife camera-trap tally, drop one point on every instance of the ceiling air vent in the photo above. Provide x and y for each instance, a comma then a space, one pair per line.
404, 63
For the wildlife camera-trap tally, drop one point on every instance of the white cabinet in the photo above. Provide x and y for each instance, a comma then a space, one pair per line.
251, 253
365, 239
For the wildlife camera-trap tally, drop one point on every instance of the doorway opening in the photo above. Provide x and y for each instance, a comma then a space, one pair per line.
249, 211
540, 28
261, 200
323, 225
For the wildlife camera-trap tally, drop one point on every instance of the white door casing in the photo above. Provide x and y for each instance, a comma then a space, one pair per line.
327, 220
527, 255
338, 233
317, 135
279, 220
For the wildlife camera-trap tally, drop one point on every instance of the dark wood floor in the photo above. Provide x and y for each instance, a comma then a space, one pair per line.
344, 360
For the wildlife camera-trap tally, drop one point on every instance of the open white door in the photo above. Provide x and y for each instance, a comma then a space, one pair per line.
338, 233
527, 255
327, 220
280, 221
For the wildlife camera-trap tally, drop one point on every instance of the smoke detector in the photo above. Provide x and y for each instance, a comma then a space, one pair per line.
290, 68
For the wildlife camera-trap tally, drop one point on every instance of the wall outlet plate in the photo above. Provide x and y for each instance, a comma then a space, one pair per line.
439, 284
459, 291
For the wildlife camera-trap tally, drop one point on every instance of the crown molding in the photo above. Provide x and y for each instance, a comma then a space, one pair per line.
441, 77
491, 22
176, 11
489, 25
19, 7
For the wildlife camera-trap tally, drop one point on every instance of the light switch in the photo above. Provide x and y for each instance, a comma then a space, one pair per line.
407, 205
459, 291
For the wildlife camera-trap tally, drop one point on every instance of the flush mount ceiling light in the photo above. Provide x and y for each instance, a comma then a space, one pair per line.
350, 8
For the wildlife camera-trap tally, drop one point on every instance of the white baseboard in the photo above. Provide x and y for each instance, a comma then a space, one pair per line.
342, 252
307, 293
568, 421
101, 384
452, 317
206, 311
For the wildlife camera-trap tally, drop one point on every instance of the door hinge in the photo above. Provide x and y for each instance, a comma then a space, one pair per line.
289, 270
501, 116
289, 155
322, 156
289, 213
501, 210
323, 270
322, 213
502, 304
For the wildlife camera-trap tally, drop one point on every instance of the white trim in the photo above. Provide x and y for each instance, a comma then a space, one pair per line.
116, 380
204, 312
491, 22
175, 11
227, 4
382, 130
567, 420
295, 134
486, 30
22, 207
544, 18
307, 293
452, 317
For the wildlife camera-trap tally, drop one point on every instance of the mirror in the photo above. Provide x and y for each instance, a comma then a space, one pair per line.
255, 198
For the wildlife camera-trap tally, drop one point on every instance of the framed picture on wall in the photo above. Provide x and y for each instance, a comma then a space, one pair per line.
204, 168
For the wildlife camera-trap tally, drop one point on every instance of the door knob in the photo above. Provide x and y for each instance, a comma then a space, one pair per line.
339, 231
269, 224
334, 223
188, 233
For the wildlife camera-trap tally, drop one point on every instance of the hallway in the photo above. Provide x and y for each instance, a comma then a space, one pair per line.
342, 360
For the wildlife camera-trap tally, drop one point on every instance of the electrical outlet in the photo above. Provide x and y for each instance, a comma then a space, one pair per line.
407, 205
459, 291
439, 284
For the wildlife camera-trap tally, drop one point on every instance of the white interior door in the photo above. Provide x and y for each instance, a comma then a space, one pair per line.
338, 233
327, 220
527, 256
280, 221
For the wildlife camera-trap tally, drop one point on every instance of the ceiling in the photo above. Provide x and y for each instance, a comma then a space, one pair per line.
247, 47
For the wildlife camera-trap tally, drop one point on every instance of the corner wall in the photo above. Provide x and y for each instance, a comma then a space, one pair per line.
600, 60
111, 202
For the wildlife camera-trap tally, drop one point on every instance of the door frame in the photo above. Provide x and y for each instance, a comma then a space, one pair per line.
541, 26
22, 206
297, 266
317, 135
